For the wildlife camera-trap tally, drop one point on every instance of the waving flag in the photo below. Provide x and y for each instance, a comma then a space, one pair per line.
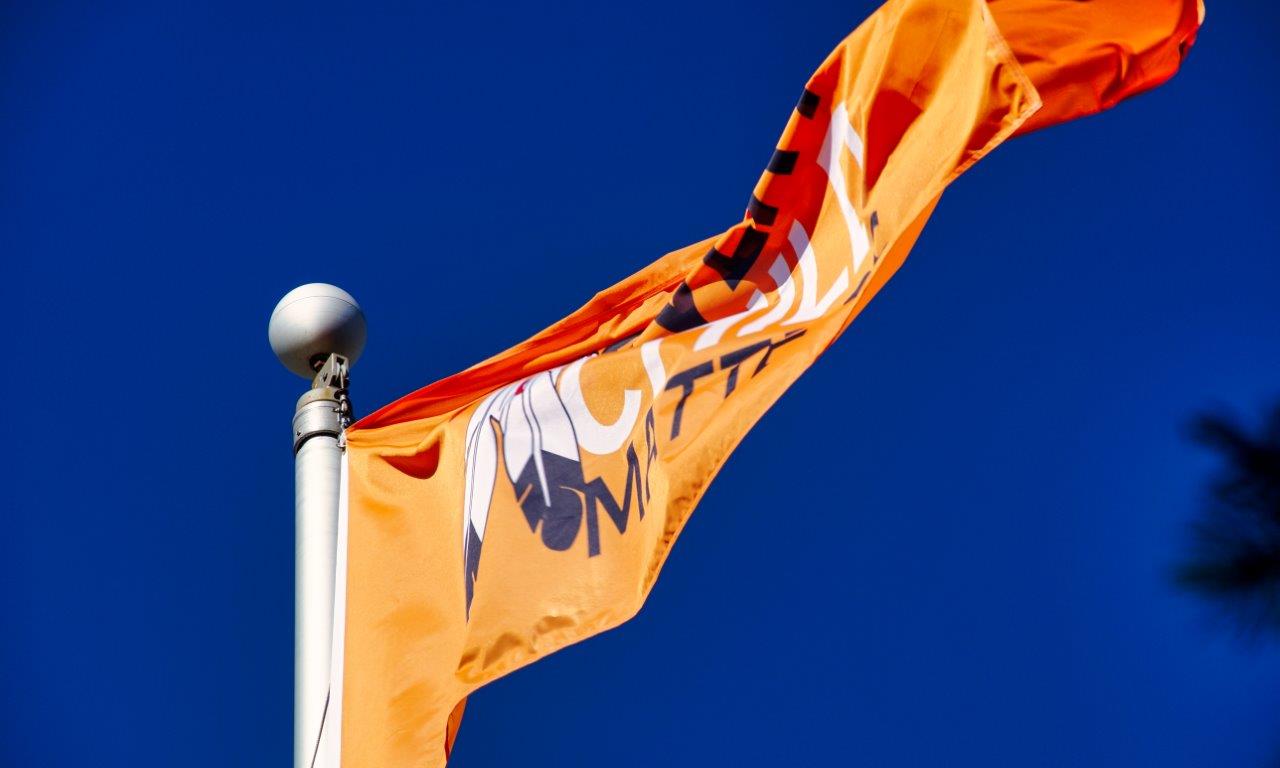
530, 501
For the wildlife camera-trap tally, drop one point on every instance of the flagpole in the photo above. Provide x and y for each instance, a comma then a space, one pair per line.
317, 331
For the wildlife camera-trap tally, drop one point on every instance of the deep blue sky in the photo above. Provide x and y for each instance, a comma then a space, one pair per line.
988, 473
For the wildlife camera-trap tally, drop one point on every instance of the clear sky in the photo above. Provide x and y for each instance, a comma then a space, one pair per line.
949, 544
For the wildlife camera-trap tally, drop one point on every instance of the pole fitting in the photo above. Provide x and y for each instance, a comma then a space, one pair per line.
324, 409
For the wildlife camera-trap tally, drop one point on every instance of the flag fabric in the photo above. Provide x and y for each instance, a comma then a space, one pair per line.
530, 501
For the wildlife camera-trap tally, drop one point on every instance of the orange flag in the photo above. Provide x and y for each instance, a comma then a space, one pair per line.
529, 502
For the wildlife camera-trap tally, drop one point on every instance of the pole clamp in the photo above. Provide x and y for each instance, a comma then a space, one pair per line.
325, 409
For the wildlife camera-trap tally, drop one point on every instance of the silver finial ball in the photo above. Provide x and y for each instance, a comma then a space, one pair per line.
313, 321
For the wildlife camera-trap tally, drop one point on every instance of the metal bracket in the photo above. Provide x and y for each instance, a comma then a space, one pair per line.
325, 409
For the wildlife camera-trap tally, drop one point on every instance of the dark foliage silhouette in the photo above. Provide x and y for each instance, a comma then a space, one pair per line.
1234, 559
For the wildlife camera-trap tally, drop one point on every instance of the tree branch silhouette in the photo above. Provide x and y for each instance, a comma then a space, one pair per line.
1234, 560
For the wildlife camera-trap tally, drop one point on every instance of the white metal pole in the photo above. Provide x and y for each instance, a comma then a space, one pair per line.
317, 428
317, 331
